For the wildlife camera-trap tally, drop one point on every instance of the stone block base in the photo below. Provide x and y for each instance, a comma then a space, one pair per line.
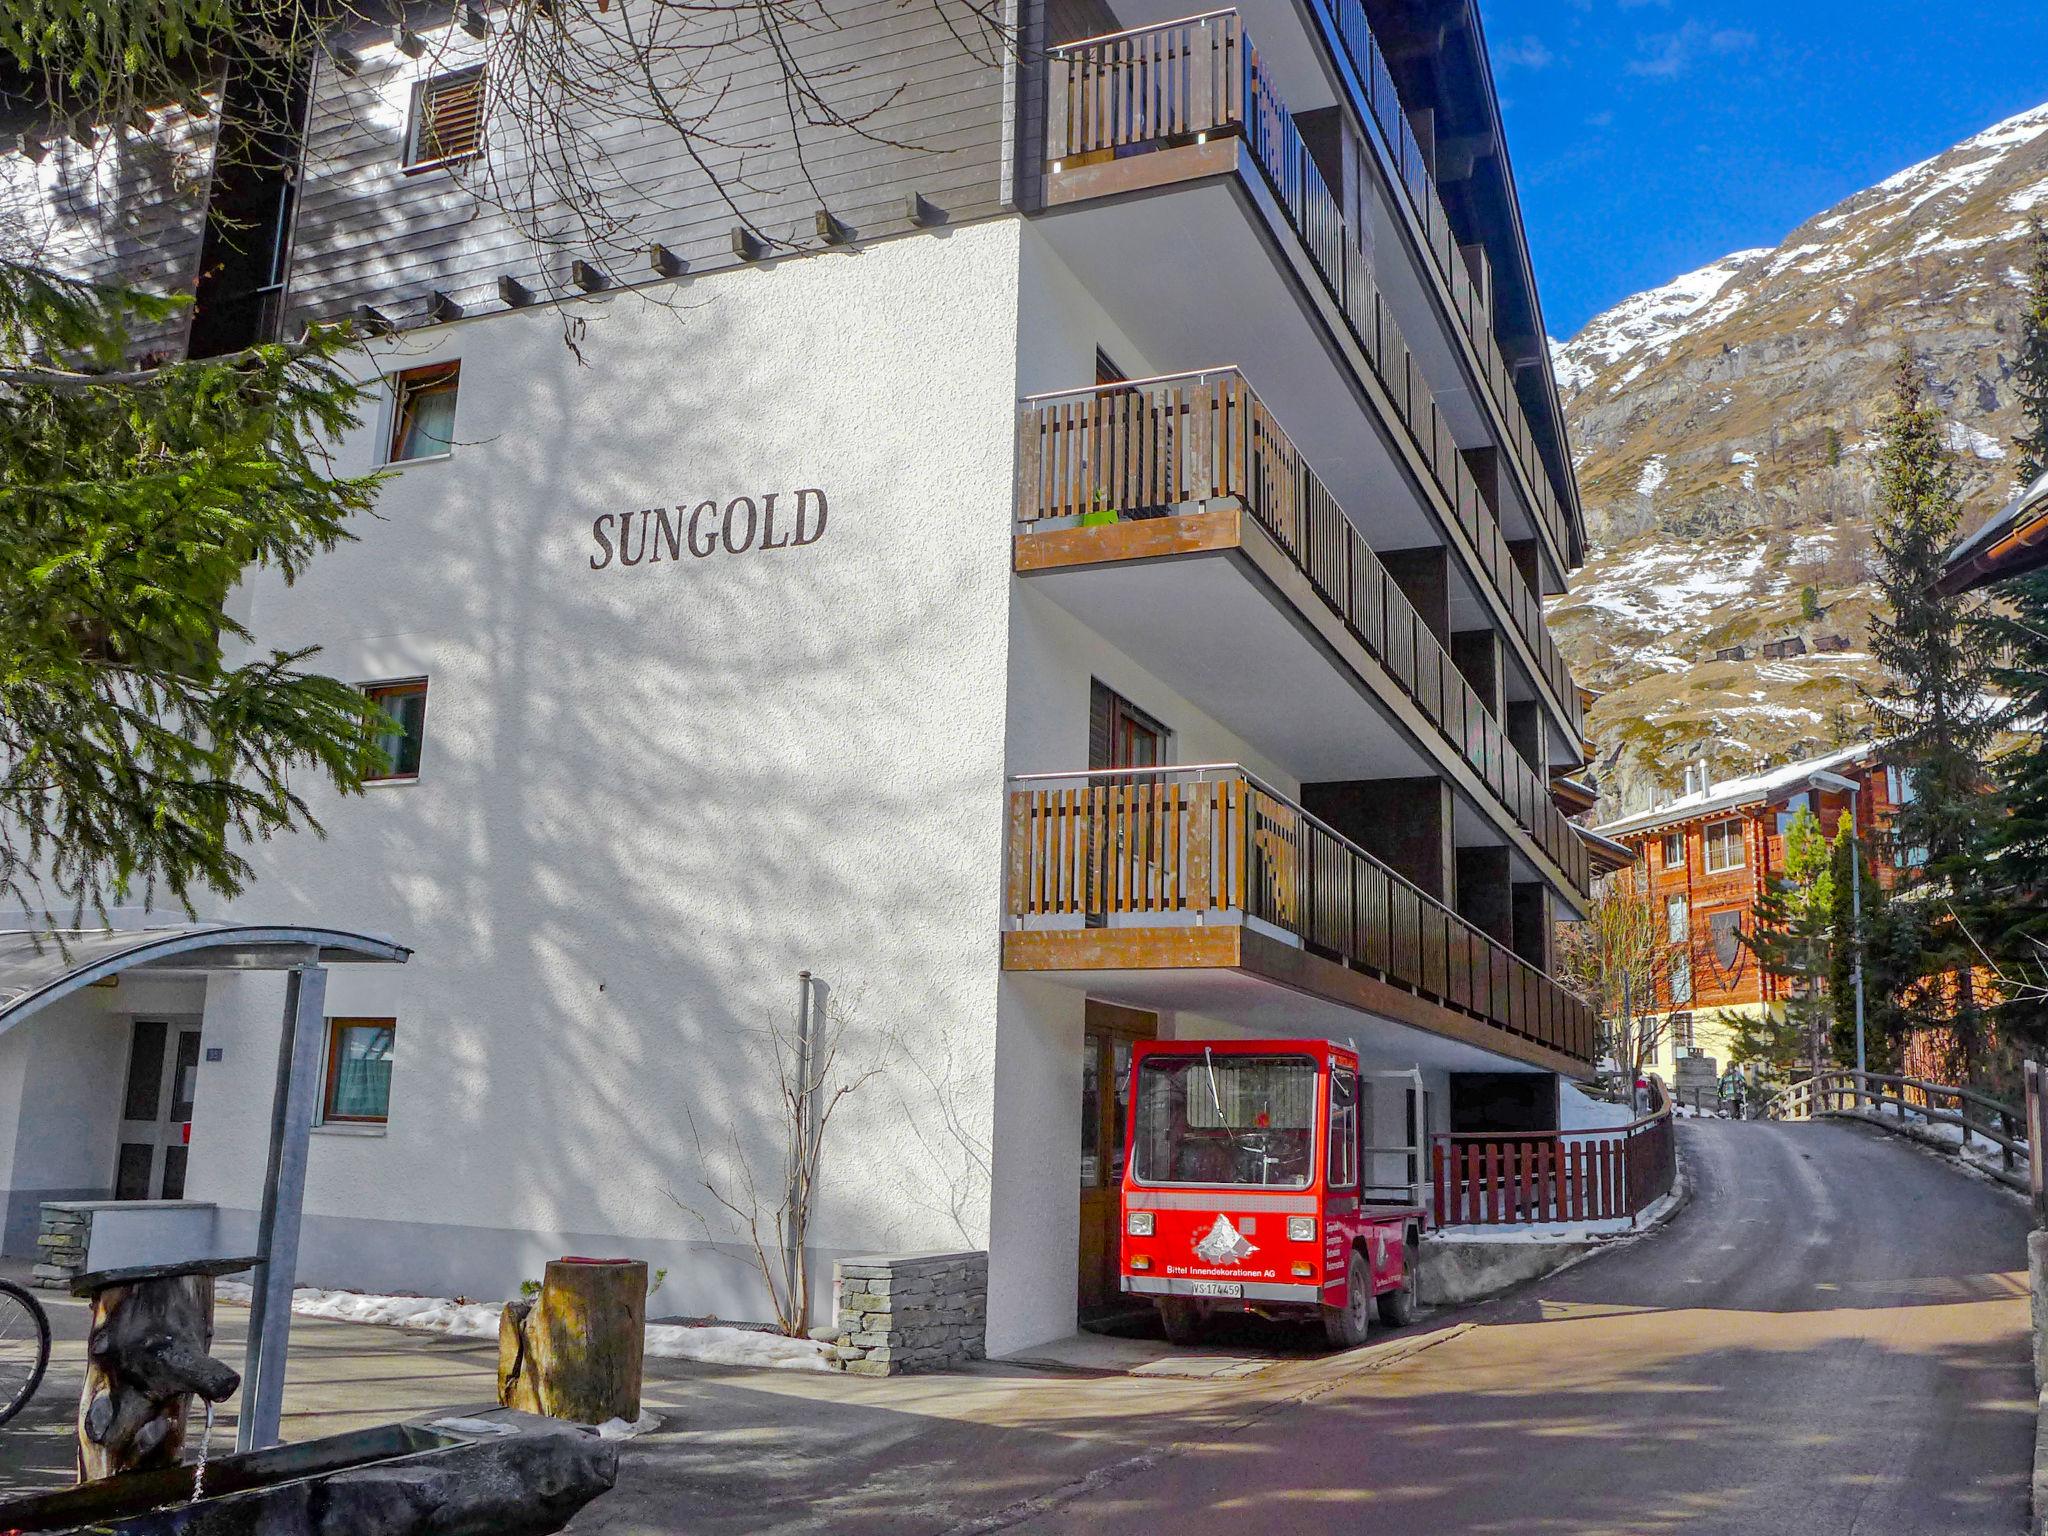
910, 1312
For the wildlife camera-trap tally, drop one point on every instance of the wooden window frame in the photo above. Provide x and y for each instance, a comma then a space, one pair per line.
1732, 838
335, 1029
1673, 840
404, 687
406, 387
423, 93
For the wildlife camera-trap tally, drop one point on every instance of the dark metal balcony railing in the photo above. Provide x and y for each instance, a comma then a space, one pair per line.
1160, 447
1184, 843
1383, 101
1154, 87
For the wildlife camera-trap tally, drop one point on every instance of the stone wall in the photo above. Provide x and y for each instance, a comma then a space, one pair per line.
910, 1312
62, 1236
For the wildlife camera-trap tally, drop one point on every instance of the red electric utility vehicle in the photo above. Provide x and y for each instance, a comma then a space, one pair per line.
1249, 1188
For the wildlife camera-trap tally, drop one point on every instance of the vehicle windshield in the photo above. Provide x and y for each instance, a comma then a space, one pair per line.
1213, 1119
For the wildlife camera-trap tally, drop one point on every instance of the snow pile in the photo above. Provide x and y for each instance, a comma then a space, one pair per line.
1580, 1111
709, 1344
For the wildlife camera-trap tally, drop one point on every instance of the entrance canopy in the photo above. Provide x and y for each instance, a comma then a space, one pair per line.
38, 968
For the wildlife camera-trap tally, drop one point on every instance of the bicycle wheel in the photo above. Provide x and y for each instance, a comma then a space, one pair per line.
24, 1348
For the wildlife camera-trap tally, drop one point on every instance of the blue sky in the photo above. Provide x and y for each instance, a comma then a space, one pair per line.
1651, 136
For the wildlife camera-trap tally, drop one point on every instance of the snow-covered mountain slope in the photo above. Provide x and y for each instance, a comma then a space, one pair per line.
1723, 426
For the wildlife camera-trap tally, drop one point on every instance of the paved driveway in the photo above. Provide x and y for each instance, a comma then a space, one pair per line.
1830, 1338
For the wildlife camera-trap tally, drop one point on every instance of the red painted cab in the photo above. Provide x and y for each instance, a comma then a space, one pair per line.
1245, 1189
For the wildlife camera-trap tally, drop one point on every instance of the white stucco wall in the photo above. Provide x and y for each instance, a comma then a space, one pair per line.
649, 796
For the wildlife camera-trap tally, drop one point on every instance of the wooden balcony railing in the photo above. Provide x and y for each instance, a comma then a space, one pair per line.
1161, 447
1158, 87
1180, 844
1504, 1179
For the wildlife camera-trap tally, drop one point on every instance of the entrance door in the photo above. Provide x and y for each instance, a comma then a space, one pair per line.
1105, 1105
156, 1110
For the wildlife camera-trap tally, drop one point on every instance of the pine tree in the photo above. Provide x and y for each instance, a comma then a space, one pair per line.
1792, 935
144, 741
1937, 653
2016, 845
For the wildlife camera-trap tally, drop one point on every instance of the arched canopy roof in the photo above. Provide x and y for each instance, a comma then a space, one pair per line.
39, 967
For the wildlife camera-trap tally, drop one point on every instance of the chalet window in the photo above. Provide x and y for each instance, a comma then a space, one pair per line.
423, 412
447, 120
358, 1071
1724, 845
1674, 850
405, 706
1678, 932
1898, 784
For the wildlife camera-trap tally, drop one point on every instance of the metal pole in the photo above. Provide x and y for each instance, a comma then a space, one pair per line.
284, 1198
1856, 934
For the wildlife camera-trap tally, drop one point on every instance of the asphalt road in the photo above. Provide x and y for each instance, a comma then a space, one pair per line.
1831, 1338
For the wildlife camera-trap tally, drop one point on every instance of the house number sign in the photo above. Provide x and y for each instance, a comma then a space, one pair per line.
656, 534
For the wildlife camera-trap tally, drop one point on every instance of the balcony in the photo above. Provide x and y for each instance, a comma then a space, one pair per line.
1183, 104
1207, 870
1374, 90
1155, 473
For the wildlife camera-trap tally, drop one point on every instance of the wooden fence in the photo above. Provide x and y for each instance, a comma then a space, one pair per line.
1170, 843
1491, 1179
1914, 1102
1174, 444
1167, 85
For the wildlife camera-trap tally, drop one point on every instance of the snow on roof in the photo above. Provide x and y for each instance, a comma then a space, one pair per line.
1731, 793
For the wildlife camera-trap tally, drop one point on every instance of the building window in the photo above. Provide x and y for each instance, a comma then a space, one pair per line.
447, 120
1674, 850
1678, 932
1724, 846
1804, 800
359, 1071
1681, 1033
423, 412
405, 707
1898, 784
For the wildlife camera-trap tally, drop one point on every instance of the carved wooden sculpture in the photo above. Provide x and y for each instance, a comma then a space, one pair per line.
145, 1359
574, 1351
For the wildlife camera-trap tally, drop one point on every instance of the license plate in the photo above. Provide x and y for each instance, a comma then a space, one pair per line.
1231, 1288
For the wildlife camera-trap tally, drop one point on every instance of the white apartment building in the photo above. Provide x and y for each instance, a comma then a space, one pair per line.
1088, 587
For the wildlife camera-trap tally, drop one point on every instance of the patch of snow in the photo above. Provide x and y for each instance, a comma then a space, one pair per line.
1739, 457
1653, 320
2027, 198
710, 1344
1653, 475
1963, 438
1578, 1110
619, 1429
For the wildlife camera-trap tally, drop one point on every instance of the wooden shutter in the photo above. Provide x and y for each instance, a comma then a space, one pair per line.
451, 118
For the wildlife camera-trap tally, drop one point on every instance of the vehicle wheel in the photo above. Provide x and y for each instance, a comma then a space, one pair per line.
1397, 1308
1347, 1325
1180, 1319
24, 1348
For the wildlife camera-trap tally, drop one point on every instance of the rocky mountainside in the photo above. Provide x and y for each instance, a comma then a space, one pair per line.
1724, 427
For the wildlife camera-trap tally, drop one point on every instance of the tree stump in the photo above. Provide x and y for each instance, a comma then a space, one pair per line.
145, 1360
574, 1351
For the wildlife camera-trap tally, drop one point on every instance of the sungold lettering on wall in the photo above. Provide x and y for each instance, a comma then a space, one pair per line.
738, 525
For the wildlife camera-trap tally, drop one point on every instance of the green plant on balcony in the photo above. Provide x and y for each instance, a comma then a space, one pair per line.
1100, 513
